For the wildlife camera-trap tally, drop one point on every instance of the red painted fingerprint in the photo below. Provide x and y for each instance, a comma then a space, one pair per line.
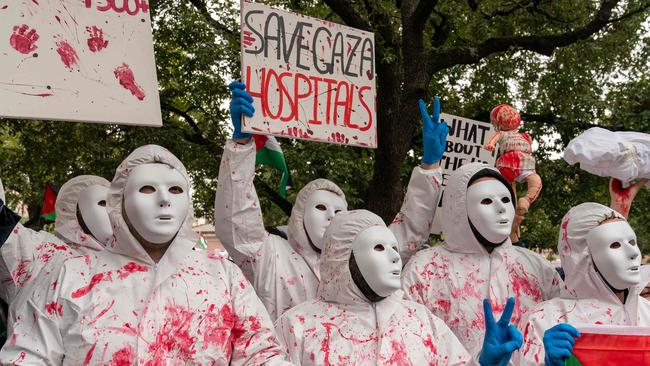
68, 54
23, 39
127, 80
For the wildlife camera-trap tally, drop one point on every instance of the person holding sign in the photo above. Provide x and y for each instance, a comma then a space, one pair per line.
477, 259
360, 316
148, 299
602, 261
286, 273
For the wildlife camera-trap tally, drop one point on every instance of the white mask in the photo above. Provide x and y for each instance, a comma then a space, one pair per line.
490, 209
320, 208
156, 201
613, 248
376, 254
92, 206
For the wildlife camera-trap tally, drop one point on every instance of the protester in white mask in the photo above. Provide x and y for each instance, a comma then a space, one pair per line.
601, 259
285, 272
477, 259
81, 227
148, 298
360, 317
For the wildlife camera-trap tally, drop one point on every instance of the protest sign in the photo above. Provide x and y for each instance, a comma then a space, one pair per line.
84, 60
464, 145
310, 78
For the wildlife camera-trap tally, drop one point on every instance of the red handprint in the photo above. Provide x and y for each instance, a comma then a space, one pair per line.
68, 54
125, 76
339, 137
22, 40
96, 41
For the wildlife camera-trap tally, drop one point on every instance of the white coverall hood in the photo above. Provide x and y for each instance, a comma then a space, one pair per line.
337, 284
2, 192
582, 280
124, 242
66, 225
296, 233
456, 228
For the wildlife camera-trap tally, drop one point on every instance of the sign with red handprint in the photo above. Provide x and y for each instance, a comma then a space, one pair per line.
310, 78
78, 60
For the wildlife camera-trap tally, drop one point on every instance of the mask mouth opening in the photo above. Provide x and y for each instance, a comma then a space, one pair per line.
489, 173
360, 282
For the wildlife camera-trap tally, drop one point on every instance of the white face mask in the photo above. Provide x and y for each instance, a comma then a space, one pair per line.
156, 201
615, 253
92, 206
490, 209
376, 254
320, 208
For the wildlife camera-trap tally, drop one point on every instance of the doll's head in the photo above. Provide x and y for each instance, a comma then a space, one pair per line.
505, 118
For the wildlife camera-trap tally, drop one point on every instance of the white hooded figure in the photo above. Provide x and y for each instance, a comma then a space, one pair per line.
148, 299
477, 259
601, 262
81, 227
284, 272
360, 317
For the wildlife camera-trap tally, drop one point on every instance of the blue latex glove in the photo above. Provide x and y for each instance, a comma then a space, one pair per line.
434, 133
501, 338
558, 344
240, 102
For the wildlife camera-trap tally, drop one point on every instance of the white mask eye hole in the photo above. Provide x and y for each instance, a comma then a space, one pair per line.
395, 249
379, 248
486, 201
505, 200
321, 207
147, 189
615, 245
102, 203
633, 242
175, 190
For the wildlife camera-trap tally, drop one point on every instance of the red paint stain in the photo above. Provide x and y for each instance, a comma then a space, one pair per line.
429, 344
291, 281
399, 356
68, 54
23, 39
102, 313
127, 80
129, 269
325, 344
444, 305
175, 336
622, 195
20, 359
94, 281
123, 357
89, 354
54, 308
96, 40
218, 326
20, 274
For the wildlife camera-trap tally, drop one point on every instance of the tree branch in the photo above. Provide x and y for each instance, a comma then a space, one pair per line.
275, 197
197, 137
422, 12
545, 44
224, 30
383, 23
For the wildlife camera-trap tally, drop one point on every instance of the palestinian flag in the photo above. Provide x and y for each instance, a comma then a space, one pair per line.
611, 346
202, 243
49, 198
270, 153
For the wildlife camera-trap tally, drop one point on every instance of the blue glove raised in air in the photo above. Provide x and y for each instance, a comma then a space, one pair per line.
240, 102
434, 133
501, 338
558, 344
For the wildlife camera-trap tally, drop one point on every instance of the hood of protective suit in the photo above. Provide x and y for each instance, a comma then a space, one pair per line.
455, 220
66, 225
582, 281
2, 192
296, 233
337, 284
124, 242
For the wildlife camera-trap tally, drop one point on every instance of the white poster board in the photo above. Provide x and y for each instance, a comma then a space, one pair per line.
310, 78
82, 60
464, 145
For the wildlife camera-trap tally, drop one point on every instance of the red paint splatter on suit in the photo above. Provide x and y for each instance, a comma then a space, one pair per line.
174, 336
89, 354
325, 344
429, 344
94, 281
126, 78
218, 327
623, 196
68, 54
129, 269
399, 356
123, 357
54, 308
20, 274
102, 313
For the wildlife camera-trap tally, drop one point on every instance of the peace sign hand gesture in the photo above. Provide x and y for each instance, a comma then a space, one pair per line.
501, 338
434, 133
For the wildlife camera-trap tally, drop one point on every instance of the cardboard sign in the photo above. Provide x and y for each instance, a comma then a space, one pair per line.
464, 145
310, 79
83, 60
